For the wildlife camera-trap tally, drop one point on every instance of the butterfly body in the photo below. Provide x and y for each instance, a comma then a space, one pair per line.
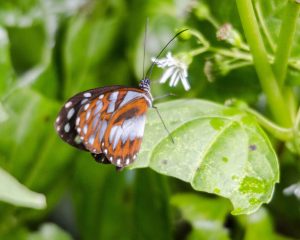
109, 122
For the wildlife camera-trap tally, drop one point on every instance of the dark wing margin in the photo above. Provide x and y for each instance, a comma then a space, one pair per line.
66, 119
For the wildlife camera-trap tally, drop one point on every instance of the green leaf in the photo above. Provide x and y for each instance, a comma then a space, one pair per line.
3, 113
6, 70
31, 148
206, 215
49, 231
217, 150
13, 192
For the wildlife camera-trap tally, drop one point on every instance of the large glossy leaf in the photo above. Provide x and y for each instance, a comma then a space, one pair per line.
13, 192
217, 149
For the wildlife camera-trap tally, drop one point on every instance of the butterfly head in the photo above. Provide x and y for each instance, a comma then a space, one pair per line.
145, 84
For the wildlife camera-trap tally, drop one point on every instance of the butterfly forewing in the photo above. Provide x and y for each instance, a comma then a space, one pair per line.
66, 120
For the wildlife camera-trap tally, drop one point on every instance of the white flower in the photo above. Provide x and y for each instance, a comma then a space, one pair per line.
176, 70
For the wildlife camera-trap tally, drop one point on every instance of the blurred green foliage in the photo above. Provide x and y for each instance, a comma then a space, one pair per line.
52, 49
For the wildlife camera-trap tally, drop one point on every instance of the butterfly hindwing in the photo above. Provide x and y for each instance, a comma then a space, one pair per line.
124, 134
66, 119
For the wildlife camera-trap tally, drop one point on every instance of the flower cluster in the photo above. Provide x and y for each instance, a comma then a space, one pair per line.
176, 70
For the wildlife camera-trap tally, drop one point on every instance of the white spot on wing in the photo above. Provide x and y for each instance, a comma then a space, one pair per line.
84, 101
95, 121
88, 114
101, 96
133, 128
87, 94
86, 106
99, 106
71, 113
113, 98
117, 137
105, 151
85, 128
112, 134
67, 127
141, 121
77, 120
127, 128
58, 128
91, 139
130, 95
127, 161
102, 130
57, 119
68, 104
119, 161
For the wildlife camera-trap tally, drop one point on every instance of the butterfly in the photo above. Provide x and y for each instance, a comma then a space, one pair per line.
109, 122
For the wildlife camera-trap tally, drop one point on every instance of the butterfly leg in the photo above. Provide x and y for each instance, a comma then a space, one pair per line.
164, 96
161, 119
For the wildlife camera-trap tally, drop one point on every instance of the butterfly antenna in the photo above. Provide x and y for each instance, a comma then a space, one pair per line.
145, 43
149, 72
161, 119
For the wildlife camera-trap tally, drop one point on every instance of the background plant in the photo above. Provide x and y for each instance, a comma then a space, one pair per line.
242, 57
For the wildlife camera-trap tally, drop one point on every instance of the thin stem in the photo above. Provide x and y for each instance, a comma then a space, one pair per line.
200, 37
239, 65
260, 58
198, 51
213, 21
263, 26
244, 47
283, 134
234, 53
285, 41
297, 120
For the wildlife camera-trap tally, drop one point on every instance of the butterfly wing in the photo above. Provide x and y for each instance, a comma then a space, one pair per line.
113, 124
66, 119
123, 138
